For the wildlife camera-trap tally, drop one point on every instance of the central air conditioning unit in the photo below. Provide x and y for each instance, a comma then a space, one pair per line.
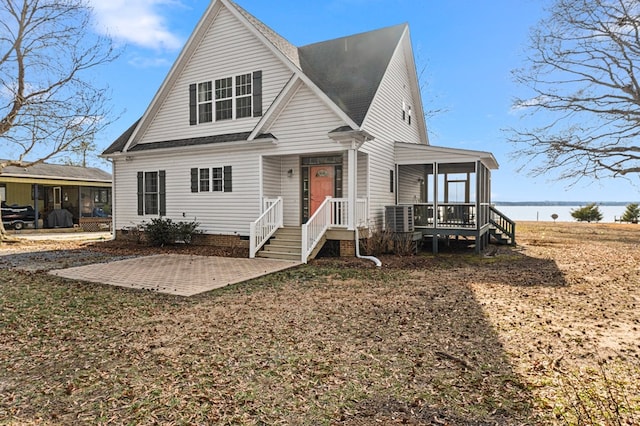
399, 218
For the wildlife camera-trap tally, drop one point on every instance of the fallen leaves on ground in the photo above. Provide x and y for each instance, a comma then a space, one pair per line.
532, 334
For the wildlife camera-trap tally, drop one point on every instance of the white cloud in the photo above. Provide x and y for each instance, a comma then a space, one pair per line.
142, 62
138, 22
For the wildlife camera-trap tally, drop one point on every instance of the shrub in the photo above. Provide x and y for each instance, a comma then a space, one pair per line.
589, 213
162, 231
631, 214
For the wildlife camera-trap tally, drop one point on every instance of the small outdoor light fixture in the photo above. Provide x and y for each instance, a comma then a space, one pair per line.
290, 172
421, 180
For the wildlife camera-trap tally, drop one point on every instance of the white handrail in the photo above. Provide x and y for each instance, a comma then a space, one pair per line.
332, 213
266, 225
315, 228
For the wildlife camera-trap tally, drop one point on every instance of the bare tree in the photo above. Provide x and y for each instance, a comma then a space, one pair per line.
48, 101
583, 70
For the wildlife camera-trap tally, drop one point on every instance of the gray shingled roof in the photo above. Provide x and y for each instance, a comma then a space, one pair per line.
58, 171
205, 140
349, 69
282, 44
119, 144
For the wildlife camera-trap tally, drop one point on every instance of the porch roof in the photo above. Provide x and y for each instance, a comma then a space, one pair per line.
57, 172
411, 153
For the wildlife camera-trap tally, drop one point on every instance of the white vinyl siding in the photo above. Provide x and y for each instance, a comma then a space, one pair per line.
228, 49
217, 212
410, 184
384, 121
303, 126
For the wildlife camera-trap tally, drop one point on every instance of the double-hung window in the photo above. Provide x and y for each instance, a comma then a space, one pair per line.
205, 103
216, 179
226, 98
243, 95
151, 193
204, 180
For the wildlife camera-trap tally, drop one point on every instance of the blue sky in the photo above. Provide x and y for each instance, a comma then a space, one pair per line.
466, 48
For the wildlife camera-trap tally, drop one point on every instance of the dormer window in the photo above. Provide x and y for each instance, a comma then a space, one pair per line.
226, 98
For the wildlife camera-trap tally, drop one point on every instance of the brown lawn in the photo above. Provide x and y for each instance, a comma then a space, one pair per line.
542, 333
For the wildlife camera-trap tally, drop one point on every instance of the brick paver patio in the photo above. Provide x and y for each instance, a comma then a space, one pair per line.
183, 275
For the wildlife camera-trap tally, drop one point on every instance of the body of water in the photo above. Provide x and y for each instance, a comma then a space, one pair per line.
543, 213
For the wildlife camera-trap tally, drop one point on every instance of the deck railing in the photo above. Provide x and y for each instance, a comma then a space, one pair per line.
503, 223
266, 225
448, 215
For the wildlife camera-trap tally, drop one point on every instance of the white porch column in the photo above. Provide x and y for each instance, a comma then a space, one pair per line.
352, 183
352, 140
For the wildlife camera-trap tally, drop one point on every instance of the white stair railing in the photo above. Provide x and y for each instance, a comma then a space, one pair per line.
314, 229
266, 225
332, 213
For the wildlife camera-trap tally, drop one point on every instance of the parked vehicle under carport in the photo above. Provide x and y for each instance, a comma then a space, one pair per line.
17, 217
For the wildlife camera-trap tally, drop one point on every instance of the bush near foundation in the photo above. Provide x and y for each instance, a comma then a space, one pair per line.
161, 231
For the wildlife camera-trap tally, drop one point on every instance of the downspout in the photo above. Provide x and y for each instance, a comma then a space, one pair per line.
371, 258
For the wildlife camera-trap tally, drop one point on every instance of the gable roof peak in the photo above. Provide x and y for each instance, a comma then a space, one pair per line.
282, 44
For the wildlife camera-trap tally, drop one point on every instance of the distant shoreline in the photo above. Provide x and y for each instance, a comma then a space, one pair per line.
562, 203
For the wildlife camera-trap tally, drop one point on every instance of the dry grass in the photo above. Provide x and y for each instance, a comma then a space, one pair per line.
546, 332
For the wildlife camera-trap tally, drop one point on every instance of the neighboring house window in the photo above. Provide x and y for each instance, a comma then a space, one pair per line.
152, 193
226, 98
205, 103
220, 179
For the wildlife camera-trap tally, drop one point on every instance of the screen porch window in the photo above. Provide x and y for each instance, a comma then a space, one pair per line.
205, 103
224, 99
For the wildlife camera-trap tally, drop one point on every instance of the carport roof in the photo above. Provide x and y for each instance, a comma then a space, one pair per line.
57, 171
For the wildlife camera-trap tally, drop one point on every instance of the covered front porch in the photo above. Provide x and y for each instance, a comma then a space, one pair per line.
449, 191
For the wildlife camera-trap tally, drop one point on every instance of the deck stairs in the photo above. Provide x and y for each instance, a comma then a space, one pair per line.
286, 244
503, 229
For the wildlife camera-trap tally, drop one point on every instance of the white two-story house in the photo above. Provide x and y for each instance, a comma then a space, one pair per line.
259, 140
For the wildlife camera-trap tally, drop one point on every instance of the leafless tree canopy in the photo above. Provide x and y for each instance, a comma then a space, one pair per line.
583, 72
48, 101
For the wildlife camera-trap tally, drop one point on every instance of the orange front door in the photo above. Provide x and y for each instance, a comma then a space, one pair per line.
321, 185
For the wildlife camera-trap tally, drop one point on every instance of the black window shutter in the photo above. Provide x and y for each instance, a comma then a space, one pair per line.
193, 105
257, 94
194, 180
227, 178
162, 189
391, 182
140, 194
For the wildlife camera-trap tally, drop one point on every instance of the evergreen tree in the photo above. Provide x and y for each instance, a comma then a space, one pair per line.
632, 213
589, 213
